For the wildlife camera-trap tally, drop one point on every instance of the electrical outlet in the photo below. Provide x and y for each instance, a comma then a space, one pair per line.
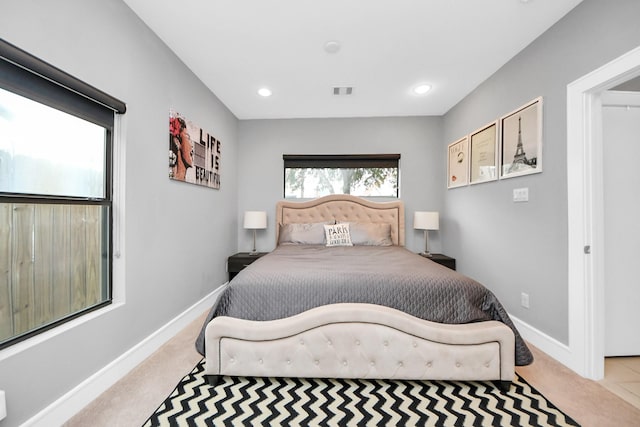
524, 300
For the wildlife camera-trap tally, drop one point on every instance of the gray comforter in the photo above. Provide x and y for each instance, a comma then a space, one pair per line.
295, 278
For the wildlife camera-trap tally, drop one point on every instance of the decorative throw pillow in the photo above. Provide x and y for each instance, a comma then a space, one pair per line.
338, 235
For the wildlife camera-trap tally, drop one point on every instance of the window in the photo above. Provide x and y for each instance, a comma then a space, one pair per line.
56, 140
369, 175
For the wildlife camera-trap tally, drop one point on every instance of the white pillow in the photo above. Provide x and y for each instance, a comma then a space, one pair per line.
337, 235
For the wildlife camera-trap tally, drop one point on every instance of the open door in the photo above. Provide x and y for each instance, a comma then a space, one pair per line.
621, 197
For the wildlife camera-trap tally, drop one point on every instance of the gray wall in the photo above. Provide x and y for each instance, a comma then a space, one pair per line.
263, 142
522, 247
177, 235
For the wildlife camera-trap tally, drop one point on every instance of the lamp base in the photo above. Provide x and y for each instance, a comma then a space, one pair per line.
426, 252
254, 252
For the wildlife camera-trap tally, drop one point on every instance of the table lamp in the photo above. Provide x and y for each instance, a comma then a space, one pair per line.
255, 220
426, 221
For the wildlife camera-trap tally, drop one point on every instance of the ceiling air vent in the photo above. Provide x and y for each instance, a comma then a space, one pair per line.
342, 90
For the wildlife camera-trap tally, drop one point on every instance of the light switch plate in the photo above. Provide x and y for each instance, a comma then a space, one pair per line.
521, 194
3, 406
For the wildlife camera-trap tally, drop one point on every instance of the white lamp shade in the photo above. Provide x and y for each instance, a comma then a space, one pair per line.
426, 221
255, 220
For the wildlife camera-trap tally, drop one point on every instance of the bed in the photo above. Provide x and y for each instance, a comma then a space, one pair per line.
331, 303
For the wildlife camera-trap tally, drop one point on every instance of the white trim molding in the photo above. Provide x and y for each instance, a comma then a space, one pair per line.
585, 212
542, 341
84, 393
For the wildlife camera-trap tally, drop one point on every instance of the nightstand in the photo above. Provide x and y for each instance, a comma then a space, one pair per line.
237, 262
442, 260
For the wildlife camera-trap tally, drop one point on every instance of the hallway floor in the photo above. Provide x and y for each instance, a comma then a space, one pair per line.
622, 377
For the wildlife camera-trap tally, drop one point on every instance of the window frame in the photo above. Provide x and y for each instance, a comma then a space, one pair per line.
30, 77
346, 161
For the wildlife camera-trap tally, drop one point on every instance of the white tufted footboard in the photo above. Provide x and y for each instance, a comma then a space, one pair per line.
359, 341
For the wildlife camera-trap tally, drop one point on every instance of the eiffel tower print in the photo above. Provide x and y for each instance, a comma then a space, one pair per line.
520, 160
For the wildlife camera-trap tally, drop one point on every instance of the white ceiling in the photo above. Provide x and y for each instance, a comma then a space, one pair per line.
387, 46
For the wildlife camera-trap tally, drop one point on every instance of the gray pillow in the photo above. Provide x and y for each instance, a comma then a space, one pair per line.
311, 233
370, 233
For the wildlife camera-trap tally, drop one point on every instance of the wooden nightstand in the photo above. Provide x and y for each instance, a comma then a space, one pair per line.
443, 260
237, 262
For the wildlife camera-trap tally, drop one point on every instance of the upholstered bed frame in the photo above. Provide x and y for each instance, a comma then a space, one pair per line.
357, 340
342, 207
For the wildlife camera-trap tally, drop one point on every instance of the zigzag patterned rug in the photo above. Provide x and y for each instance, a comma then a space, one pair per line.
237, 401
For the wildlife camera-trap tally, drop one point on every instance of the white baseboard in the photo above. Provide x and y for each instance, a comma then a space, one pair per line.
84, 393
554, 348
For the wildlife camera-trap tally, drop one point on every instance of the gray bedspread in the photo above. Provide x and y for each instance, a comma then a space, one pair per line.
295, 278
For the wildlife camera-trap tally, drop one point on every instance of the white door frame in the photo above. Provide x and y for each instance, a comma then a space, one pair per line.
585, 212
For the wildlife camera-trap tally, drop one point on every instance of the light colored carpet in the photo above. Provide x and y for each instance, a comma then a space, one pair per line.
134, 398
131, 400
584, 400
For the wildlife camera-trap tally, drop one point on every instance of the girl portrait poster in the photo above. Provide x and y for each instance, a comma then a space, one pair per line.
194, 155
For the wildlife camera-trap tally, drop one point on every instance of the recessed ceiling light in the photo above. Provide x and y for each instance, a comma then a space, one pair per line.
264, 92
421, 89
332, 46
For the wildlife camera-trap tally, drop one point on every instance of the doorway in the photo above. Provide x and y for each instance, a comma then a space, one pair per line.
621, 140
586, 212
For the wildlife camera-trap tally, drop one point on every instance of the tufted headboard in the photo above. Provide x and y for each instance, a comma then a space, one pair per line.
343, 207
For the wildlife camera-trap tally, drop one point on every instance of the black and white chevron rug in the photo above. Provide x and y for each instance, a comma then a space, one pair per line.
239, 401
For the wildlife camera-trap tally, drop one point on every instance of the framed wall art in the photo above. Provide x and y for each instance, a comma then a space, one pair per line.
458, 163
194, 154
521, 141
483, 152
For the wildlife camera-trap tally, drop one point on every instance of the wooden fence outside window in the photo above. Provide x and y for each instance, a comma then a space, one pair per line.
52, 263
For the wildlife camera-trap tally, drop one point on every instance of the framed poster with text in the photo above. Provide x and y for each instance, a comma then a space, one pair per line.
458, 163
483, 154
194, 154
